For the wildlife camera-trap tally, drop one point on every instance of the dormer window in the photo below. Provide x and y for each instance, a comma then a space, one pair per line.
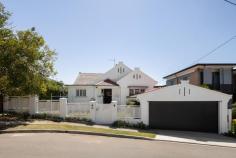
120, 70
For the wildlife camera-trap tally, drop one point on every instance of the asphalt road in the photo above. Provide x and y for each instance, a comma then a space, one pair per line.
83, 146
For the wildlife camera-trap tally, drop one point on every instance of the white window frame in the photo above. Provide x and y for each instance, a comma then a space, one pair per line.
81, 93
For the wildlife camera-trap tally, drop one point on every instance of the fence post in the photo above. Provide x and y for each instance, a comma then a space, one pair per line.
33, 104
93, 110
114, 111
63, 107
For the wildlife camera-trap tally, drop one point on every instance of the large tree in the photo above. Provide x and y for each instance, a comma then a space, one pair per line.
26, 62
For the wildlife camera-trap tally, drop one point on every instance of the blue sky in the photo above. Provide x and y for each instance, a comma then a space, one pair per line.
159, 36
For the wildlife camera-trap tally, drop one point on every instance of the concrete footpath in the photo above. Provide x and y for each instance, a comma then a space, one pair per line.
195, 138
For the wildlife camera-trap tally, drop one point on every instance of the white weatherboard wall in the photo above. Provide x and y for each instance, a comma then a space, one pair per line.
176, 93
90, 93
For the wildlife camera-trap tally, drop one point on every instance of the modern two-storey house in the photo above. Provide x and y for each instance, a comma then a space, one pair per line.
217, 76
117, 84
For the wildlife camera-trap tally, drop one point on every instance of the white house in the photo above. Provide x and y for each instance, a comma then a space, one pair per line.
117, 84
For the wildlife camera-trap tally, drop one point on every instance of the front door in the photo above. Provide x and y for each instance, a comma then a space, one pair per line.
107, 96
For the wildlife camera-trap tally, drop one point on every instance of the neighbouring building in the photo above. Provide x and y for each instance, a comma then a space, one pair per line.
117, 84
217, 76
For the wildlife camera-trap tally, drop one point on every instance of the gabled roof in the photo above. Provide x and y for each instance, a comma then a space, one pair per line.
107, 82
87, 78
202, 64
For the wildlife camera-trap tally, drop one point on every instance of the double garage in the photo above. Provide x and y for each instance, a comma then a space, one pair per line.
186, 107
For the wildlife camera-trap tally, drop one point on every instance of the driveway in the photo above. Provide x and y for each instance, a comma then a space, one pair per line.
195, 137
49, 145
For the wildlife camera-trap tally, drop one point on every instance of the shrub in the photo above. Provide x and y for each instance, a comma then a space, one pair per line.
124, 124
133, 102
25, 115
234, 127
234, 113
45, 116
78, 120
205, 86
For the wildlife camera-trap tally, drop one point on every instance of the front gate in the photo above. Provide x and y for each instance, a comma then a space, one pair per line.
105, 113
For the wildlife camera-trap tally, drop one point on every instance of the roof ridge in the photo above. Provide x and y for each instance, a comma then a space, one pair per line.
90, 73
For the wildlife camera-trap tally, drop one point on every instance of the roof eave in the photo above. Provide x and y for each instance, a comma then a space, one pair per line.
200, 64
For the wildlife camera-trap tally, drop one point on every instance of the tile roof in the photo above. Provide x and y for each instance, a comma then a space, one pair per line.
88, 78
107, 82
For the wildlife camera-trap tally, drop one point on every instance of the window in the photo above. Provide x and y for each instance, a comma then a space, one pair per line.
131, 92
139, 76
136, 91
185, 78
216, 80
133, 76
123, 69
81, 92
118, 69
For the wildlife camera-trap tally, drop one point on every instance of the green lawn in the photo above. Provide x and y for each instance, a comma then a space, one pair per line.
83, 128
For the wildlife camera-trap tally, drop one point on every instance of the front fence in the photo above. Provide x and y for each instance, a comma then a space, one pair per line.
81, 110
88, 110
124, 111
49, 106
131, 114
17, 104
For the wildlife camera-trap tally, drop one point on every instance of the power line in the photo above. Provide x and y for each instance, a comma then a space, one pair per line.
218, 47
230, 2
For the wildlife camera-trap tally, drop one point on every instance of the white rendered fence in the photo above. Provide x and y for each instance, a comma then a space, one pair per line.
99, 113
126, 111
131, 114
81, 110
48, 106
17, 104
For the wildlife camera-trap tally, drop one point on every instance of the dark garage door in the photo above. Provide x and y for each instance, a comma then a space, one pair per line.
184, 115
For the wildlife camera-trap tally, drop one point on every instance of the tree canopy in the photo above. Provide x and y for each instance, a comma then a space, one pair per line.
26, 61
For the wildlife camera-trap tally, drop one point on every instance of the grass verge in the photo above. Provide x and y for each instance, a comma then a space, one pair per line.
82, 128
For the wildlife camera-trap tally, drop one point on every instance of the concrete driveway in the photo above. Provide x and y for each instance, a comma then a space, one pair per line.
195, 137
49, 145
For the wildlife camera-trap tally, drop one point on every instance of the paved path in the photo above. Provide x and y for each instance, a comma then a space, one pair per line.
73, 146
